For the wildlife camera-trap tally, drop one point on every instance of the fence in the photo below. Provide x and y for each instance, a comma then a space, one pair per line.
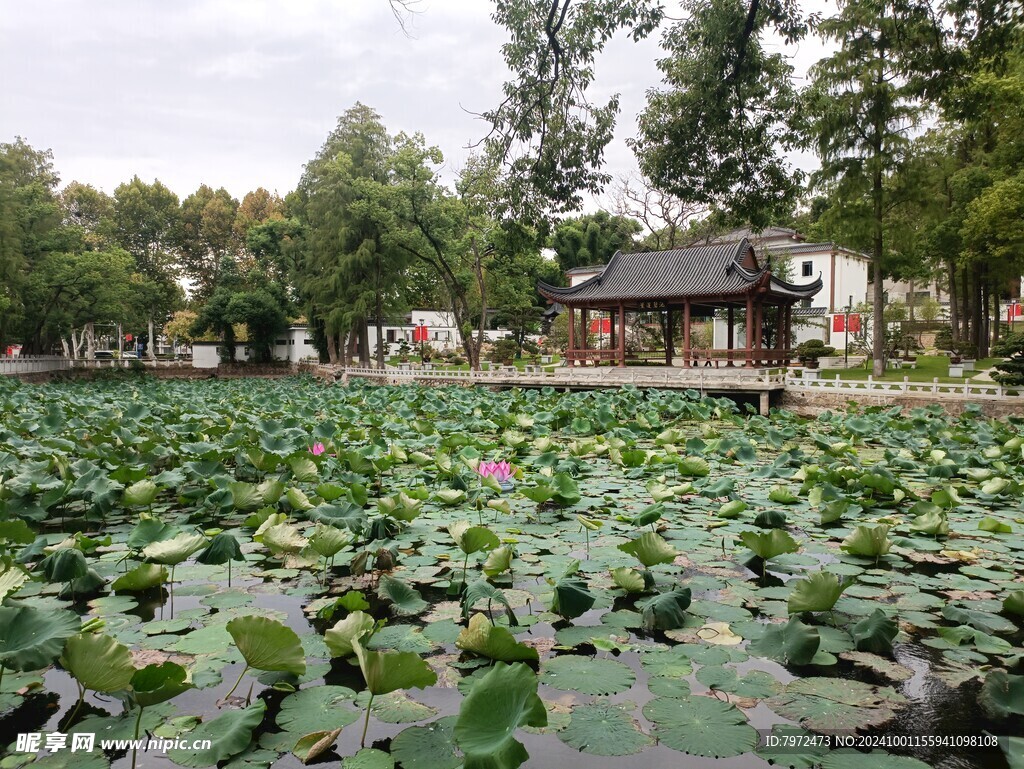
906, 387
37, 364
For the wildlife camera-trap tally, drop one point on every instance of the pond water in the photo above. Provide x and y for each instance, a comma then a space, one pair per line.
675, 459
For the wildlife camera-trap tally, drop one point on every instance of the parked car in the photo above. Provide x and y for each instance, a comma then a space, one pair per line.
104, 355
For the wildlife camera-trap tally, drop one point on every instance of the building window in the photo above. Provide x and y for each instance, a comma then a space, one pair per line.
807, 269
283, 342
391, 335
805, 303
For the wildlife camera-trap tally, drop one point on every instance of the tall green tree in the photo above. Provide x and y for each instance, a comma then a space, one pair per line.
592, 238
348, 274
864, 101
146, 225
206, 233
716, 135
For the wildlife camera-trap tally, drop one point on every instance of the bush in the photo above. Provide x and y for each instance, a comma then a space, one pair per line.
813, 349
503, 351
1011, 372
944, 339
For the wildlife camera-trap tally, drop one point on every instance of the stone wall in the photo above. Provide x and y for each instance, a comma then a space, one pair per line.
816, 401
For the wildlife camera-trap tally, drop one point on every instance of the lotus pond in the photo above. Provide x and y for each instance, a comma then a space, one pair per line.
299, 572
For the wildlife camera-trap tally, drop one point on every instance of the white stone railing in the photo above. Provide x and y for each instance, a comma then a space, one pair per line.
874, 387
33, 364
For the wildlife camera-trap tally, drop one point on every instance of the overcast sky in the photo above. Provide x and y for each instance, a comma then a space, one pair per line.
241, 93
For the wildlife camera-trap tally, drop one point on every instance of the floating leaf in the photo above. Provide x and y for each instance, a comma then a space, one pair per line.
496, 643
793, 643
571, 672
228, 735
267, 644
604, 729
500, 702
1002, 694
701, 726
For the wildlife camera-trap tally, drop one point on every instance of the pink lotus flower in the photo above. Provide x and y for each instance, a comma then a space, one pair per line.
317, 449
500, 471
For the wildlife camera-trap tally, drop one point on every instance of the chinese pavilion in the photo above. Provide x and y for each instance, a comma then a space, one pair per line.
691, 282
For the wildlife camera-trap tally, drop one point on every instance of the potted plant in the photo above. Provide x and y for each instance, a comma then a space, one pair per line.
808, 352
403, 352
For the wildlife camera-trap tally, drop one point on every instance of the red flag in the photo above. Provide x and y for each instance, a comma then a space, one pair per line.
854, 322
838, 323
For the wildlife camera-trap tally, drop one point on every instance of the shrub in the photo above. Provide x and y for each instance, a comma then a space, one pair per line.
503, 351
813, 349
1010, 372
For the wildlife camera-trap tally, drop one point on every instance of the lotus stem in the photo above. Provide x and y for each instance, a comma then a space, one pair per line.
78, 705
229, 572
1, 677
244, 671
135, 741
366, 723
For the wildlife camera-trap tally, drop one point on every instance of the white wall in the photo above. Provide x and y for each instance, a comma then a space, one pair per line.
811, 328
205, 355
294, 345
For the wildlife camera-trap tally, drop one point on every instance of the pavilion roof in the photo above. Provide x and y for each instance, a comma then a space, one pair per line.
702, 272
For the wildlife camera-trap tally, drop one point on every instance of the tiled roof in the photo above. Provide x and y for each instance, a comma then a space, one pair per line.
702, 271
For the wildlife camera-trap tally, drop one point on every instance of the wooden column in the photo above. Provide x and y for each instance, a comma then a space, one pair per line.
572, 336
789, 331
669, 333
731, 342
758, 324
611, 330
584, 330
687, 353
750, 330
780, 333
622, 335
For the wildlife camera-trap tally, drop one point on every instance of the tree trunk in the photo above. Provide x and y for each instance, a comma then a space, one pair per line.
364, 343
910, 299
997, 315
954, 298
90, 340
482, 287
977, 311
120, 341
878, 297
151, 349
380, 318
332, 348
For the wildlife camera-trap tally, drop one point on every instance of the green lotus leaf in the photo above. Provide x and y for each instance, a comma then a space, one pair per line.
875, 633
572, 672
140, 494
793, 643
245, 496
149, 530
341, 638
666, 611
756, 684
154, 684
571, 598
31, 639
481, 590
171, 552
321, 708
297, 500
223, 547
1014, 603
771, 519
499, 703
732, 509
837, 703
404, 599
982, 620
427, 747
766, 545
303, 469
701, 726
473, 539
267, 644
498, 561
64, 565
228, 734
12, 577
145, 576
283, 538
629, 579
935, 523
493, 642
818, 591
1002, 694
310, 747
98, 662
870, 541
694, 467
782, 495
451, 497
650, 549
604, 729
994, 525
385, 672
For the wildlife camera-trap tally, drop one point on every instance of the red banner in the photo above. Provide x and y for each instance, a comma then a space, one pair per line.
420, 334
1013, 312
601, 326
839, 323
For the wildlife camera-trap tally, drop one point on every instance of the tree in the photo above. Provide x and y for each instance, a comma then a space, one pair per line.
863, 101
206, 233
145, 224
664, 216
348, 273
592, 239
546, 131
89, 211
716, 136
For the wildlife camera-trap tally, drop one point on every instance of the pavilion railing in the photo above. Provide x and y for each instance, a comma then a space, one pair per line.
595, 356
713, 358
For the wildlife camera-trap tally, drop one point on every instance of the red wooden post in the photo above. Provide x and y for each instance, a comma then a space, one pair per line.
731, 342
572, 337
789, 331
758, 323
687, 353
622, 335
669, 333
750, 330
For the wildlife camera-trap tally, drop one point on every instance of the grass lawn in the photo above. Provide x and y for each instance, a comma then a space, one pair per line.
928, 367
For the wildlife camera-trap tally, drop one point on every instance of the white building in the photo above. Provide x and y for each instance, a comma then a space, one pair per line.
844, 276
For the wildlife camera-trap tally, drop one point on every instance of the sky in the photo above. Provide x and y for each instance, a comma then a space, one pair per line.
242, 93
